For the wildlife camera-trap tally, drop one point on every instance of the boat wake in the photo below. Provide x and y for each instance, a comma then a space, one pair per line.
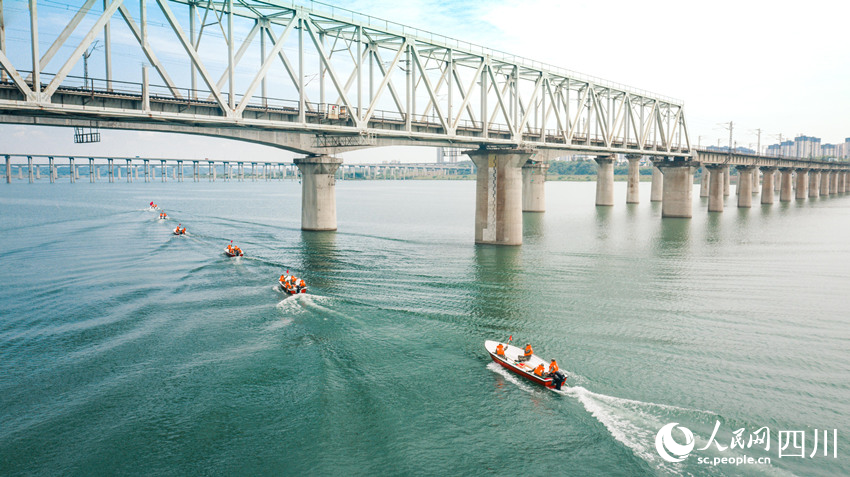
635, 423
308, 303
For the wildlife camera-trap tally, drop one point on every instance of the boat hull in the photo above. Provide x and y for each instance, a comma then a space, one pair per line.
524, 369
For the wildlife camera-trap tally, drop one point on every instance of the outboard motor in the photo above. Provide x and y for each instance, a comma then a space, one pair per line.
558, 379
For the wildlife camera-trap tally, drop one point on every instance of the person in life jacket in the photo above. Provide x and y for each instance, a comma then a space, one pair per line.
539, 370
500, 350
183, 232
177, 230
302, 284
526, 354
230, 248
238, 250
553, 367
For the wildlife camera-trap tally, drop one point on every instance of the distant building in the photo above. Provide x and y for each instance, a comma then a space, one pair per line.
810, 147
448, 154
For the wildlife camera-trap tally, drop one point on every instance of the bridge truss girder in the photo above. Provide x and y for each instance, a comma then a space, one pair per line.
372, 79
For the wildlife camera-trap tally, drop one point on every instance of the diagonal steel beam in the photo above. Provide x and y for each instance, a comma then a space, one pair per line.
466, 97
429, 88
387, 75
16, 77
264, 69
60, 40
287, 65
236, 59
531, 107
151, 56
308, 23
178, 30
75, 56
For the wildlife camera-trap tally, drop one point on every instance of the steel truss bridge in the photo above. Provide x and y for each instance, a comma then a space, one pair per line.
312, 79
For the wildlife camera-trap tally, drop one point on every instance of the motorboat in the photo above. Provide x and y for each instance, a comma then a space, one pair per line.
293, 290
233, 253
179, 231
512, 361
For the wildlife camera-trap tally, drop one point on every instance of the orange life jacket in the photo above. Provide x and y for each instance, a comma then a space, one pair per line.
302, 283
500, 350
539, 370
529, 351
553, 367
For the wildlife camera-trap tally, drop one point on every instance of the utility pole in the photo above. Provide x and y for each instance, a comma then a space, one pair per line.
86, 56
758, 150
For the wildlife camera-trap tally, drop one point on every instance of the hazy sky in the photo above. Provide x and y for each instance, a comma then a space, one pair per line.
780, 66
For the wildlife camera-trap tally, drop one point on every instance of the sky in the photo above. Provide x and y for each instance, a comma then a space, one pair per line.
778, 66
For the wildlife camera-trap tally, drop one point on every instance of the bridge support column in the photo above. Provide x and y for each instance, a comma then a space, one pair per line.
533, 186
8, 169
726, 182
110, 170
29, 170
657, 192
91, 170
745, 185
824, 183
755, 180
677, 199
498, 195
633, 184
769, 175
833, 182
318, 191
785, 186
705, 182
129, 171
605, 181
714, 173
52, 167
802, 184
814, 184
73, 166
842, 182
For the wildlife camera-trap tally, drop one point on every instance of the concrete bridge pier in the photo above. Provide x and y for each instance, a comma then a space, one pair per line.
129, 171
656, 193
767, 185
498, 195
52, 169
802, 183
678, 187
633, 186
91, 170
842, 182
755, 181
705, 182
73, 166
785, 186
833, 182
605, 181
318, 191
727, 182
110, 170
824, 183
196, 173
8, 170
745, 178
714, 172
253, 172
777, 183
533, 186
814, 183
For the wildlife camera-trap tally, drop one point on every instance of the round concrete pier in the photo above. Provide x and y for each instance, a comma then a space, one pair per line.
533, 186
498, 195
605, 181
318, 191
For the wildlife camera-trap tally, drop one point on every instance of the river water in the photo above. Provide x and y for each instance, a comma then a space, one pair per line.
127, 350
